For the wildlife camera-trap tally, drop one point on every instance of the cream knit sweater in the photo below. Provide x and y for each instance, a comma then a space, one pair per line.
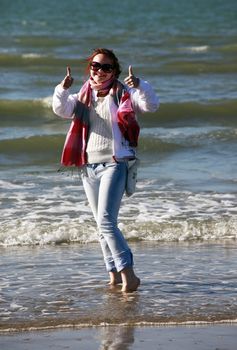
100, 145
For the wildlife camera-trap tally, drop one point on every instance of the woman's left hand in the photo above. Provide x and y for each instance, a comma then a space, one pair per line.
131, 80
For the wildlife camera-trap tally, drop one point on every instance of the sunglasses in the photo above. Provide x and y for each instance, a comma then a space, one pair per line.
106, 67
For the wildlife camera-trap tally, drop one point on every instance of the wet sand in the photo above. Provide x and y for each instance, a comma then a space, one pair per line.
206, 337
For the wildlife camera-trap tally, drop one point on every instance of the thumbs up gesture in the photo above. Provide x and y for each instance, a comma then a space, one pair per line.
68, 80
131, 80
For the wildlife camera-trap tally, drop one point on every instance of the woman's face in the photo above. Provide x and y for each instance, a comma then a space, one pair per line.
101, 68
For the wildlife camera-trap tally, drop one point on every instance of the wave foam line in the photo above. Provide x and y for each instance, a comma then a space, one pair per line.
124, 324
25, 233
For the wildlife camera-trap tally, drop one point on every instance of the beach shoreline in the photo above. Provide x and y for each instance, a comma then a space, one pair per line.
65, 286
198, 337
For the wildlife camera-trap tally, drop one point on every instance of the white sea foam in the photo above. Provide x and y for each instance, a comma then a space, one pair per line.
46, 101
198, 49
47, 208
61, 214
32, 55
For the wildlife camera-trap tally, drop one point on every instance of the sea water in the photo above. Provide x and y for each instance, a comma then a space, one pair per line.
185, 204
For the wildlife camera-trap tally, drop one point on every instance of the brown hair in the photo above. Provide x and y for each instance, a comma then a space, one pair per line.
110, 54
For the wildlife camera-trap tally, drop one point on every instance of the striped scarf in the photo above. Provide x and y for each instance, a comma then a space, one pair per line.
74, 150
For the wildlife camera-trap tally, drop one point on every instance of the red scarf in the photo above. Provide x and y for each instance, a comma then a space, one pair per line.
74, 150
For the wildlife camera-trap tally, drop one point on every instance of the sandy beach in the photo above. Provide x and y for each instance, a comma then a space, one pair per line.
182, 221
206, 337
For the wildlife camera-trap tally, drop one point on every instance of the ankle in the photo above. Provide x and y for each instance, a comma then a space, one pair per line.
115, 278
130, 280
131, 286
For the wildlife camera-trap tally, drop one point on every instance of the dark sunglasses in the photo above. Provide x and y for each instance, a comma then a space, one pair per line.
106, 67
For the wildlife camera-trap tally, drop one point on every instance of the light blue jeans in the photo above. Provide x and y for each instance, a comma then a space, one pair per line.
104, 184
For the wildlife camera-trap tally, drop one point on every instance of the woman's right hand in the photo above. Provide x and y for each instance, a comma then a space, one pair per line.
68, 80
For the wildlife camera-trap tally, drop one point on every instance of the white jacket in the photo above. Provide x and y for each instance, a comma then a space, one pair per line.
143, 100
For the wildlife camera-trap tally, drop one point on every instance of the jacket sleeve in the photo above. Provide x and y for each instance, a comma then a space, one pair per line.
144, 98
63, 102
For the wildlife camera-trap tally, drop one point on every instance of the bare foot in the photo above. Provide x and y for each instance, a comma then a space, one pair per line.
130, 281
115, 278
132, 287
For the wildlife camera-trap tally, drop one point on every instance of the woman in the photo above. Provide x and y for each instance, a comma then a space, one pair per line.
102, 138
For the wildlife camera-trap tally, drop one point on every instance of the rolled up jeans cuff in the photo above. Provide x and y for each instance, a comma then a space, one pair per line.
109, 264
123, 260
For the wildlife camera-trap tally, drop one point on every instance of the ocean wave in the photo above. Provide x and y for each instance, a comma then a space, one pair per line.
157, 138
49, 144
33, 144
43, 205
222, 112
182, 66
73, 231
37, 110
31, 55
229, 48
189, 136
26, 112
200, 60
45, 101
38, 60
196, 49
